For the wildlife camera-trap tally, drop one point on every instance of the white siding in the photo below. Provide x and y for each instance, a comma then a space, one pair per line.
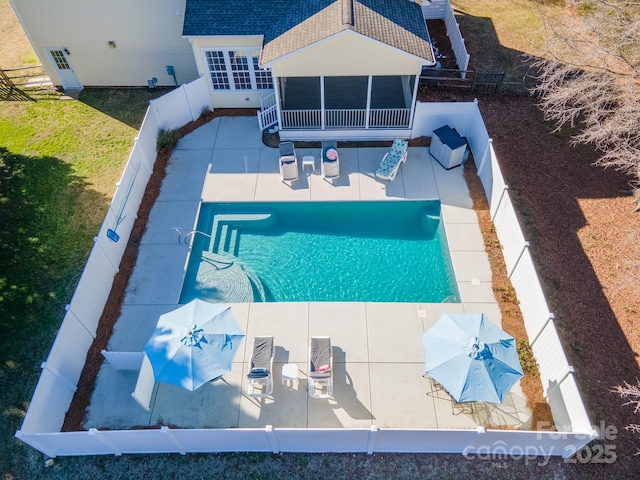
148, 37
346, 54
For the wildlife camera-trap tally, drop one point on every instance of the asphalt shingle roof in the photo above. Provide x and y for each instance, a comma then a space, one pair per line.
288, 25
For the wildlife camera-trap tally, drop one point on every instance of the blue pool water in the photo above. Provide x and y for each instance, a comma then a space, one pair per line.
315, 252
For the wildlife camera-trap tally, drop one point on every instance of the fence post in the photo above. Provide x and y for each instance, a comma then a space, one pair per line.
372, 439
165, 430
186, 99
113, 265
474, 110
271, 436
145, 156
487, 152
32, 440
156, 112
67, 383
570, 371
495, 213
471, 447
95, 432
550, 318
524, 247
91, 333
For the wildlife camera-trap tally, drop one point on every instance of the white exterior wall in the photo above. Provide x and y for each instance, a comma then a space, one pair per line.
148, 37
228, 98
346, 54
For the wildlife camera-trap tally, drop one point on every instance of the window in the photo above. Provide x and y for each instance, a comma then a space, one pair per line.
218, 70
263, 77
237, 69
240, 69
60, 60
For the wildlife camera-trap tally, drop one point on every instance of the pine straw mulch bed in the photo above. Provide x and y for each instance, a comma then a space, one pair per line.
584, 239
75, 417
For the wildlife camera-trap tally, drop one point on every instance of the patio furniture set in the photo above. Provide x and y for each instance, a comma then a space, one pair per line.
196, 344
466, 356
330, 162
260, 376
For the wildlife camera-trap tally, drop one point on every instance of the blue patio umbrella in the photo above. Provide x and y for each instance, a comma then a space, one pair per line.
194, 344
472, 358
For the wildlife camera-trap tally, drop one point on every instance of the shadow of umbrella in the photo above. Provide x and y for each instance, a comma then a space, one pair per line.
194, 344
472, 358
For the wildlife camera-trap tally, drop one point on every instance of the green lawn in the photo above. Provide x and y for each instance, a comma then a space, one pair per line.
499, 35
59, 162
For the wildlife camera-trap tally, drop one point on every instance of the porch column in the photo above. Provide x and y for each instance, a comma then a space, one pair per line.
276, 84
368, 114
322, 115
413, 101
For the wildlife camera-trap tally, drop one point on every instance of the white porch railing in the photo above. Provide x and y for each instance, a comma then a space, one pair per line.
268, 113
345, 118
389, 117
301, 119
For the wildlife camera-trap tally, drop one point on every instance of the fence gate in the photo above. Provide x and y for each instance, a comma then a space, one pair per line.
8, 89
487, 82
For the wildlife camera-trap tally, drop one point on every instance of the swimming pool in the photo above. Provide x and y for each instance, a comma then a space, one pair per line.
316, 252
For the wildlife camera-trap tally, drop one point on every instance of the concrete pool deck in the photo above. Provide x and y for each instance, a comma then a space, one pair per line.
377, 347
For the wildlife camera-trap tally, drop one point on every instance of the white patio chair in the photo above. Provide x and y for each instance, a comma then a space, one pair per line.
330, 162
288, 163
320, 367
260, 375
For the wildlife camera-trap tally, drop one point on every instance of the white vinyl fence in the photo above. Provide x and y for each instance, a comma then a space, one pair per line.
441, 10
556, 374
61, 371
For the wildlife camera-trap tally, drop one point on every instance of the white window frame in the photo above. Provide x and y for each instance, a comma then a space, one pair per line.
246, 52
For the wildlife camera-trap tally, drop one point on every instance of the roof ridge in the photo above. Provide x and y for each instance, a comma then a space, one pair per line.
347, 13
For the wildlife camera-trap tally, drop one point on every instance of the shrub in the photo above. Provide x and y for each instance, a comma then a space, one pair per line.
206, 112
527, 360
167, 139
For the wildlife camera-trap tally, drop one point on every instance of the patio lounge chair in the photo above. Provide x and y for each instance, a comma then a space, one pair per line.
260, 375
392, 160
330, 164
288, 163
320, 367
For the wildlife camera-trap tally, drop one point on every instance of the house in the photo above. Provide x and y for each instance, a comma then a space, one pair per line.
309, 65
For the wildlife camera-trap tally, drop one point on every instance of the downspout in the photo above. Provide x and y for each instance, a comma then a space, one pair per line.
368, 117
276, 84
413, 102
323, 119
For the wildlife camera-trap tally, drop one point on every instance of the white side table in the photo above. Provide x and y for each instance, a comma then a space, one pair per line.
309, 160
290, 374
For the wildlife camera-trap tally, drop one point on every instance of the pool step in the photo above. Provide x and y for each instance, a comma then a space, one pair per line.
226, 230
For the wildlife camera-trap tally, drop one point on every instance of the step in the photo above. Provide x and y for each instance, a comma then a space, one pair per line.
223, 222
220, 237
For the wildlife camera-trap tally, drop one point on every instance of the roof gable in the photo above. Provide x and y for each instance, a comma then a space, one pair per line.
289, 25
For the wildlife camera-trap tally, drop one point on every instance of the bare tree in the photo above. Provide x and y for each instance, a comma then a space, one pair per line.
591, 79
630, 392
